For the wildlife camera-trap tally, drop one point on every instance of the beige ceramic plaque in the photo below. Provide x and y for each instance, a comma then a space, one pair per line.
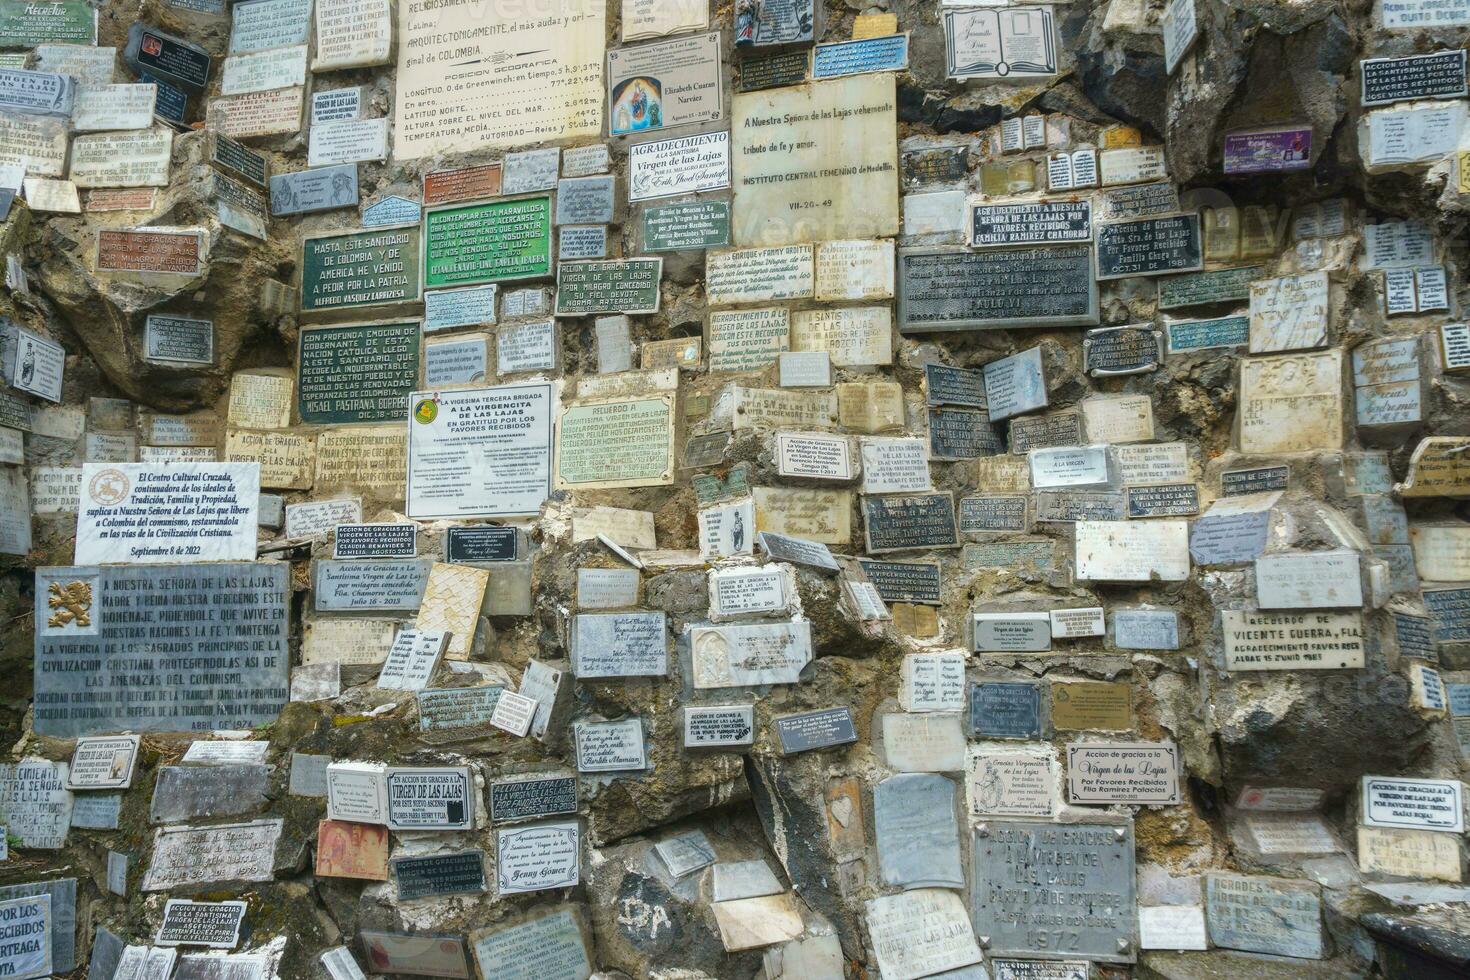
816, 515
347, 641
452, 600
623, 443
1409, 853
854, 336
371, 460
816, 162
260, 401
286, 458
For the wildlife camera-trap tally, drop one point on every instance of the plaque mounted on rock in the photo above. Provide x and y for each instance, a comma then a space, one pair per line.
80, 695
360, 269
359, 373
1133, 349
811, 730
1149, 246
1045, 286
487, 242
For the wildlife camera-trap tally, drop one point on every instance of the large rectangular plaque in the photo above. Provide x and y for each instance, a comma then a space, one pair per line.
25, 24
228, 621
1053, 891
493, 241
459, 873
900, 522
360, 268
624, 443
904, 581
1214, 286
1440, 75
548, 68
532, 797
623, 286
357, 586
147, 250
359, 373
946, 289
480, 452
1032, 223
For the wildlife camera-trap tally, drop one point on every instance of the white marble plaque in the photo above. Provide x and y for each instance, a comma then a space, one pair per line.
260, 71
129, 513
1290, 313
1292, 641
108, 107
748, 656
1132, 551
1309, 580
817, 456
138, 158
352, 34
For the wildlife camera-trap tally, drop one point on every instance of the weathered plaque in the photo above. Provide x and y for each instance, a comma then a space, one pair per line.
786, 191
1188, 336
1214, 286
898, 523
922, 933
821, 729
35, 805
622, 644
916, 830
539, 947
1264, 915
1019, 896
96, 655
1292, 641
773, 70
1015, 385
1133, 349
612, 746
904, 581
178, 340
942, 289
26, 926
190, 857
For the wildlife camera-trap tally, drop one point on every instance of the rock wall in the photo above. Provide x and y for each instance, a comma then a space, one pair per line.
678, 490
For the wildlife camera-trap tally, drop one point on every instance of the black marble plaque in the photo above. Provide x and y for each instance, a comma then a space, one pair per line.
1236, 483
950, 289
1164, 500
934, 165
1122, 350
1005, 709
815, 730
1148, 246
1031, 223
963, 433
227, 154
539, 796
904, 581
979, 514
903, 521
773, 70
945, 385
170, 58
486, 542
1428, 76
440, 874
1416, 636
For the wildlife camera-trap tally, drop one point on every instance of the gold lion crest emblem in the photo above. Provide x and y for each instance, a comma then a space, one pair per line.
72, 602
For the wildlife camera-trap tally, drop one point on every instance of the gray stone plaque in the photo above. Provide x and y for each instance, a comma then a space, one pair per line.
457, 707
1215, 286
231, 616
190, 792
63, 892
622, 644
1229, 539
532, 797
798, 551
1122, 350
1046, 432
1005, 709
947, 289
460, 873
904, 581
1071, 506
392, 210
686, 853
96, 811
1264, 915
917, 831
585, 200
1146, 629
308, 191
1015, 384
309, 774
178, 339
945, 385
360, 586
819, 729
963, 433
1055, 890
